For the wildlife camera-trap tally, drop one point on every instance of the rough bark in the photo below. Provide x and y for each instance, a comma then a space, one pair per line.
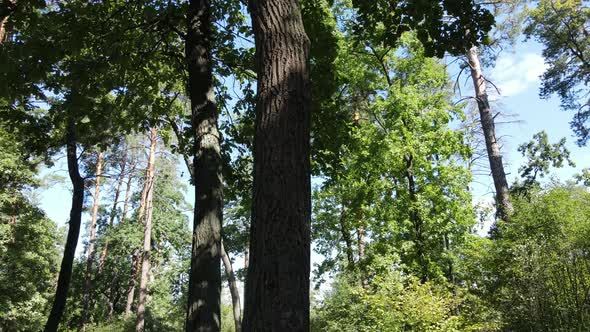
277, 282
147, 234
65, 272
503, 204
204, 292
113, 214
90, 254
233, 289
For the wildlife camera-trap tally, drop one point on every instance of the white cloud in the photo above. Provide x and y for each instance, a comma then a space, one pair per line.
515, 73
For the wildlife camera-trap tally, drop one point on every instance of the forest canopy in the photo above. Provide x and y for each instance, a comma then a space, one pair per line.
294, 165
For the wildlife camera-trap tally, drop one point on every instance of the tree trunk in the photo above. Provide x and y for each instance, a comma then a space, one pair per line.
204, 292
147, 234
128, 191
103, 255
277, 282
7, 7
504, 206
233, 289
360, 232
345, 232
132, 282
65, 272
91, 242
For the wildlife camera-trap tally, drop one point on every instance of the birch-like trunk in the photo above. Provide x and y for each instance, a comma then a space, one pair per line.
233, 289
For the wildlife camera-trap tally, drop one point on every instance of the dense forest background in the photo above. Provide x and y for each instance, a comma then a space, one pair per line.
311, 165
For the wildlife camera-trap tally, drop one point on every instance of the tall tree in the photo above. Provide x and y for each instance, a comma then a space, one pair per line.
147, 237
277, 282
486, 116
204, 293
65, 272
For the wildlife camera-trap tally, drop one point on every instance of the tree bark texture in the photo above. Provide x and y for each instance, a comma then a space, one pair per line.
65, 272
277, 282
147, 235
504, 206
233, 289
91, 241
204, 292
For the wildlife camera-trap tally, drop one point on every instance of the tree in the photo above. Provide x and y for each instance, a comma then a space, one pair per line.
504, 207
147, 237
204, 302
277, 282
541, 270
563, 27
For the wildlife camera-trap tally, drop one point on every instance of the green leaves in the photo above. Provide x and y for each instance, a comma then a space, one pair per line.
441, 26
562, 27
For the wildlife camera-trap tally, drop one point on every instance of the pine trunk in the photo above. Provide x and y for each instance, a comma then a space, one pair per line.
147, 235
204, 292
504, 206
103, 255
277, 282
233, 289
65, 272
128, 191
91, 241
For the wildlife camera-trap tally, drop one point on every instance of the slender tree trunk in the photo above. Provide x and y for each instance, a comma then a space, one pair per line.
233, 289
103, 255
204, 292
246, 257
277, 282
147, 235
91, 242
132, 282
7, 7
504, 206
128, 191
360, 232
65, 272
345, 232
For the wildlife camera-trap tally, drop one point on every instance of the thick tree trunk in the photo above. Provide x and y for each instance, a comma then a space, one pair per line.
233, 289
147, 235
103, 255
277, 282
504, 206
91, 241
204, 292
65, 272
